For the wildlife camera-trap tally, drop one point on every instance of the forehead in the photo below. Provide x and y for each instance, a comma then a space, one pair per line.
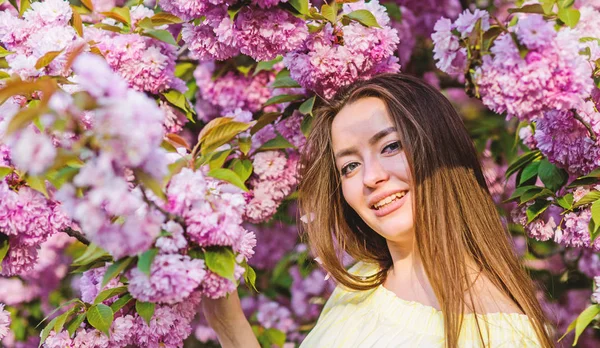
359, 121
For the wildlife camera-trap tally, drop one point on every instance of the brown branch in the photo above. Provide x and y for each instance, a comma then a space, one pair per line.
77, 235
585, 124
170, 216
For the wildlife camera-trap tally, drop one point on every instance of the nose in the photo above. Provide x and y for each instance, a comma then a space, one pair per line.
374, 173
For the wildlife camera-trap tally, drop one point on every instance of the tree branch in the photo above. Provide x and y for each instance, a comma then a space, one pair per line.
169, 216
77, 235
585, 124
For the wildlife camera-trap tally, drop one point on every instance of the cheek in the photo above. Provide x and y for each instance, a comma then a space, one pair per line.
351, 191
397, 166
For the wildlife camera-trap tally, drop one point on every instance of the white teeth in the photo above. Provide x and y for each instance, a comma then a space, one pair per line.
389, 199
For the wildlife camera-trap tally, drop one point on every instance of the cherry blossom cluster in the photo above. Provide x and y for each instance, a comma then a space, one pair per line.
275, 175
259, 33
168, 327
224, 94
104, 177
538, 74
43, 29
4, 321
322, 64
147, 64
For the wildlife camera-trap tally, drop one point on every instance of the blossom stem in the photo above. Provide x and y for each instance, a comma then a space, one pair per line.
586, 125
168, 215
77, 235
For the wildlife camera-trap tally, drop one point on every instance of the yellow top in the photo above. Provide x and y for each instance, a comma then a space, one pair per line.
379, 318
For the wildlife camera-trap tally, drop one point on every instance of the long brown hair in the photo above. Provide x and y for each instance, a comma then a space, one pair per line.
455, 219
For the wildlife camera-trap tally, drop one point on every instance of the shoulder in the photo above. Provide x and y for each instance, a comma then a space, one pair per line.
490, 299
363, 269
344, 296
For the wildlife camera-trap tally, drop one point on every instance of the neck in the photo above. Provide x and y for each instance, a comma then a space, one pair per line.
405, 259
407, 277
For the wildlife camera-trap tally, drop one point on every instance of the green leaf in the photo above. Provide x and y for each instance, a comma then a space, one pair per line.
92, 253
285, 82
229, 176
46, 59
595, 221
162, 35
264, 119
547, 6
529, 172
522, 161
283, 98
520, 191
4, 245
121, 302
165, 18
245, 144
75, 323
88, 4
329, 13
364, 17
553, 177
145, 310
534, 210
535, 194
151, 183
61, 319
58, 308
4, 52
46, 331
177, 99
267, 65
38, 184
218, 159
306, 107
250, 277
588, 179
533, 8
145, 261
306, 126
277, 143
25, 5
393, 10
566, 201
243, 168
183, 68
584, 319
300, 5
59, 177
108, 293
221, 261
570, 16
119, 14
220, 131
115, 269
590, 197
100, 316
275, 336
564, 3
233, 11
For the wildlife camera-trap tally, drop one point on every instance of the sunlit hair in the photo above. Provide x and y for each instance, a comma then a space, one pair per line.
455, 219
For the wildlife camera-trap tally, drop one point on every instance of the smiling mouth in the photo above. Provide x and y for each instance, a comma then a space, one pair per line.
388, 200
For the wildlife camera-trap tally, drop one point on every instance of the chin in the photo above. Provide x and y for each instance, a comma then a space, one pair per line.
396, 229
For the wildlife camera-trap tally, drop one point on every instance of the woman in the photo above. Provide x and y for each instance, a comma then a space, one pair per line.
390, 171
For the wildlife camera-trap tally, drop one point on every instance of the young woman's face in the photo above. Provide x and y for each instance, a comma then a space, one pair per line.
373, 168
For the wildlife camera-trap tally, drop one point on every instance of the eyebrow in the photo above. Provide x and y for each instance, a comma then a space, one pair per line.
374, 139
